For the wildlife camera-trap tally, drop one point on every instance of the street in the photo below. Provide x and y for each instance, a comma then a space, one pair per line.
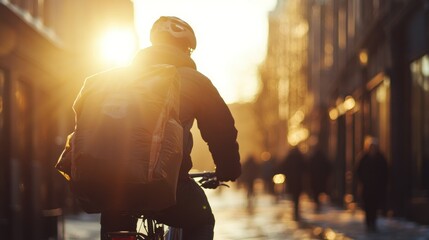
273, 221
233, 219
266, 220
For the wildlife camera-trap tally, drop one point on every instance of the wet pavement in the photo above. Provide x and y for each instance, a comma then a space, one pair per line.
83, 227
272, 220
266, 220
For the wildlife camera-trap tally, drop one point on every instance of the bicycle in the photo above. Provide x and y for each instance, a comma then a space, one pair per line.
155, 230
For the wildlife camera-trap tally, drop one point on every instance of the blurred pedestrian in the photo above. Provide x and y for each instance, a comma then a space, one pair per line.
250, 172
293, 166
319, 168
372, 173
267, 172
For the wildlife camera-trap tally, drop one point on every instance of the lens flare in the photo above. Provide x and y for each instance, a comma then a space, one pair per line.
118, 46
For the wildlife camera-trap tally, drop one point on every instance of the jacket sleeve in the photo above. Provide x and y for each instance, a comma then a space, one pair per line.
217, 128
64, 162
77, 104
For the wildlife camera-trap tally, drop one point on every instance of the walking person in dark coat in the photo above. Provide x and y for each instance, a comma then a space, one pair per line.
268, 171
372, 173
250, 172
320, 170
293, 166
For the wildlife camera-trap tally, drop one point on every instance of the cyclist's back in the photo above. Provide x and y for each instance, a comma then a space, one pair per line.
199, 100
173, 40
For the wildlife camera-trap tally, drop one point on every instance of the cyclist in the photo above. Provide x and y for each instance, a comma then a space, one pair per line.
173, 41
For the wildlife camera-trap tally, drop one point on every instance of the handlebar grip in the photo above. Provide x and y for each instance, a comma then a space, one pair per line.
202, 174
209, 179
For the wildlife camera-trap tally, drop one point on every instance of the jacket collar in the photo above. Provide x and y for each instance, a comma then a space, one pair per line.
163, 54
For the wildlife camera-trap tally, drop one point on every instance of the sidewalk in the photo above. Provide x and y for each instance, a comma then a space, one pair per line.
335, 223
269, 220
331, 223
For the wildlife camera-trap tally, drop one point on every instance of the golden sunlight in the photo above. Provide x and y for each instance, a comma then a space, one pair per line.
118, 46
231, 39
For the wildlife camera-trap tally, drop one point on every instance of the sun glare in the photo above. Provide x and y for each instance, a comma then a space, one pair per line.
229, 48
118, 46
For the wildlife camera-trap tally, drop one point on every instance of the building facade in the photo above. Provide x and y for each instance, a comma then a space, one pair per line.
284, 100
44, 56
368, 75
380, 89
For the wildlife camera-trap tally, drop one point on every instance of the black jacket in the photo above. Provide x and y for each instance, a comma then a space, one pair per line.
199, 101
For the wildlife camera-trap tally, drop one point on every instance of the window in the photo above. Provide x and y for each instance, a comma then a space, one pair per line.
4, 154
2, 104
342, 28
420, 121
351, 19
4, 123
379, 111
328, 59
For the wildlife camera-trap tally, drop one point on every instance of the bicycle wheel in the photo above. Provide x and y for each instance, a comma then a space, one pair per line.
173, 234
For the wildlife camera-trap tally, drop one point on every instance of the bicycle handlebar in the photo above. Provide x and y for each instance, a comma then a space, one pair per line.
203, 174
208, 179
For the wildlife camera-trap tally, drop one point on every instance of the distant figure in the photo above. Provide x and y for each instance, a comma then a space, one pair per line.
293, 166
372, 173
320, 169
267, 173
250, 172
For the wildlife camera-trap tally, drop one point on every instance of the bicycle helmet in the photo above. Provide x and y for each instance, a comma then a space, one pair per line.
173, 30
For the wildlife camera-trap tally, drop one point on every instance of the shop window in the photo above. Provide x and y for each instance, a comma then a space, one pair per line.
21, 118
351, 19
2, 104
328, 53
342, 27
4, 155
420, 122
379, 111
3, 135
4, 114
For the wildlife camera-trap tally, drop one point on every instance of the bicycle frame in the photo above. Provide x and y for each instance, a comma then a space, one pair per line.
155, 231
173, 234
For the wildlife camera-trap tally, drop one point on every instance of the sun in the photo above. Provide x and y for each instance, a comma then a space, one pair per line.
118, 46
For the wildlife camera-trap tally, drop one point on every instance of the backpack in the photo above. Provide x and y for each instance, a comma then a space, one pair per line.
126, 150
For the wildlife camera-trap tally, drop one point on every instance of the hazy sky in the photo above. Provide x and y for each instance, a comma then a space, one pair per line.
231, 38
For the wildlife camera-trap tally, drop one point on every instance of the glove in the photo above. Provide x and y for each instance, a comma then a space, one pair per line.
211, 183
228, 173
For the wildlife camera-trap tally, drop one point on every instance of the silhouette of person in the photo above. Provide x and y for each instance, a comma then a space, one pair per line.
267, 173
293, 166
173, 41
250, 172
319, 169
372, 173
